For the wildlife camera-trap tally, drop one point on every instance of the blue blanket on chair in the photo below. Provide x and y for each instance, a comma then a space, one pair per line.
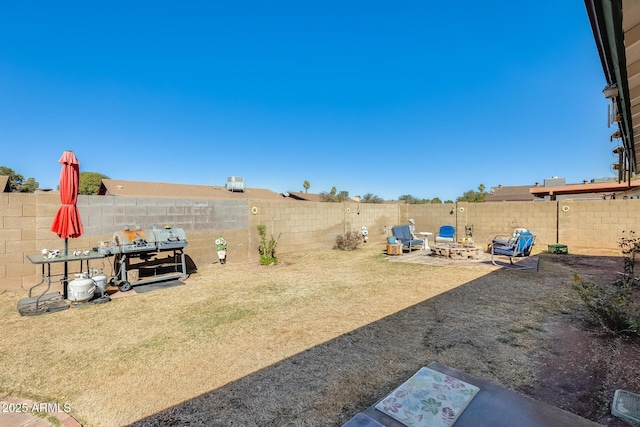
403, 235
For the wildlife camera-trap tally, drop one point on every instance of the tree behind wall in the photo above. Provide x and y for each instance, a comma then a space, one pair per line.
17, 182
371, 198
90, 182
474, 196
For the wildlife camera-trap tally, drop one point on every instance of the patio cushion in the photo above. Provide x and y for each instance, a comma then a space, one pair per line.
428, 399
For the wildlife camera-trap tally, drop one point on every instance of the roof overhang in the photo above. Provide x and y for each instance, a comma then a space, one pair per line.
616, 30
604, 187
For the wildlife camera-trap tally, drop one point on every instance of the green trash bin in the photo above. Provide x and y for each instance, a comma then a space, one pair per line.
558, 249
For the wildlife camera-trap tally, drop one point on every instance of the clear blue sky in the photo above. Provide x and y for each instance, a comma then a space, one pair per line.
413, 97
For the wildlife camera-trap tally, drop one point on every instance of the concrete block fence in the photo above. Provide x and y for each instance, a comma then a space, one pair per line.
25, 223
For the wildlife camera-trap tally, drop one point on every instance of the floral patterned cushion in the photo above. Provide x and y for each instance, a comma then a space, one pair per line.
428, 399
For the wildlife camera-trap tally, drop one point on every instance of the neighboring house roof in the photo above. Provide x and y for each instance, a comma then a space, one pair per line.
312, 197
308, 197
514, 193
114, 187
4, 184
585, 189
523, 193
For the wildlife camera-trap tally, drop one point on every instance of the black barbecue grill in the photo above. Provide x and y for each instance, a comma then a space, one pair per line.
146, 246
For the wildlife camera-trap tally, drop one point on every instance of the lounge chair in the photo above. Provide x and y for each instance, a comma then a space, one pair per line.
506, 239
403, 235
446, 234
518, 248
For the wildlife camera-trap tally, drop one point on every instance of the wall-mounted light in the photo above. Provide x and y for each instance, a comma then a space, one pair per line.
610, 91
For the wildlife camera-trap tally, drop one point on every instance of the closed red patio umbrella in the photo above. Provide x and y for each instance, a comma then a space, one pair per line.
67, 222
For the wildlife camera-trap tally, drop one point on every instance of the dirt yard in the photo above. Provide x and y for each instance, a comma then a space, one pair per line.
584, 366
316, 339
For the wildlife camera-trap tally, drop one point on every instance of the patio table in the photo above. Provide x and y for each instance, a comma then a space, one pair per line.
52, 301
496, 406
426, 235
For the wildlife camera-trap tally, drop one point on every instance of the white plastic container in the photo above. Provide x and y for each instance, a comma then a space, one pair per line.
81, 288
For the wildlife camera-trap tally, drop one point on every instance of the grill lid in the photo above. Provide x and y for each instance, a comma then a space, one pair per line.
134, 241
170, 238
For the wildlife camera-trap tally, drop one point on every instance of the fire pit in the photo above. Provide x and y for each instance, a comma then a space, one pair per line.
456, 251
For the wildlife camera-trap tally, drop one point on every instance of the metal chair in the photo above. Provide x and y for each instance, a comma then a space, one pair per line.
518, 248
446, 234
505, 239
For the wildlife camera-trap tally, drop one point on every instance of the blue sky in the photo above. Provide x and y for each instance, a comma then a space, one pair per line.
413, 97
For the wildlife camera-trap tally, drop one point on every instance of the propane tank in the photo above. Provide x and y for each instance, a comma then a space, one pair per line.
81, 288
100, 279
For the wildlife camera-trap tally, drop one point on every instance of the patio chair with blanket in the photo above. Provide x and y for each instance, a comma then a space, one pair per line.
505, 239
446, 234
518, 248
403, 236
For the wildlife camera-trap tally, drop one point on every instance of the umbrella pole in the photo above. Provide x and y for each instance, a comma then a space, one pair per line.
65, 279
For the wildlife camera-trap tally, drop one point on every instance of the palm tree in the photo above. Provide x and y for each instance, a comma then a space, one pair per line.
306, 186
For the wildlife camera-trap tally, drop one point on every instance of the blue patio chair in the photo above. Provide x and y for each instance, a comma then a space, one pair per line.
403, 235
518, 248
446, 234
505, 239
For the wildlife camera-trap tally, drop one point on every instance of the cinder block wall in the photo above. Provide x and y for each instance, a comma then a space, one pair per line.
306, 226
597, 223
25, 223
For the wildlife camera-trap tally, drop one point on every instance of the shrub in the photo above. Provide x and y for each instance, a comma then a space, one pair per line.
349, 241
616, 306
267, 248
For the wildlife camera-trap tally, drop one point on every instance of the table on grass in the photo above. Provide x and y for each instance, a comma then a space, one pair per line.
53, 301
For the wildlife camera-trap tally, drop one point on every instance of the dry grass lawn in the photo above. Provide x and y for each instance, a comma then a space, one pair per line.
311, 341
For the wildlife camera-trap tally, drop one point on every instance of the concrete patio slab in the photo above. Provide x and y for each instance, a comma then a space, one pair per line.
16, 412
482, 261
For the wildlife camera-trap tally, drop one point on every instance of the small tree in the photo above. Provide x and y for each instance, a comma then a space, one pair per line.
267, 248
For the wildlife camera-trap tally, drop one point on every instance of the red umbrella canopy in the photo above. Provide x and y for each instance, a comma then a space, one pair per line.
67, 222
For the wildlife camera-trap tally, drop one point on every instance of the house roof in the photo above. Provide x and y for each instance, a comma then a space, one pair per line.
114, 187
312, 197
308, 197
513, 193
4, 184
597, 187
